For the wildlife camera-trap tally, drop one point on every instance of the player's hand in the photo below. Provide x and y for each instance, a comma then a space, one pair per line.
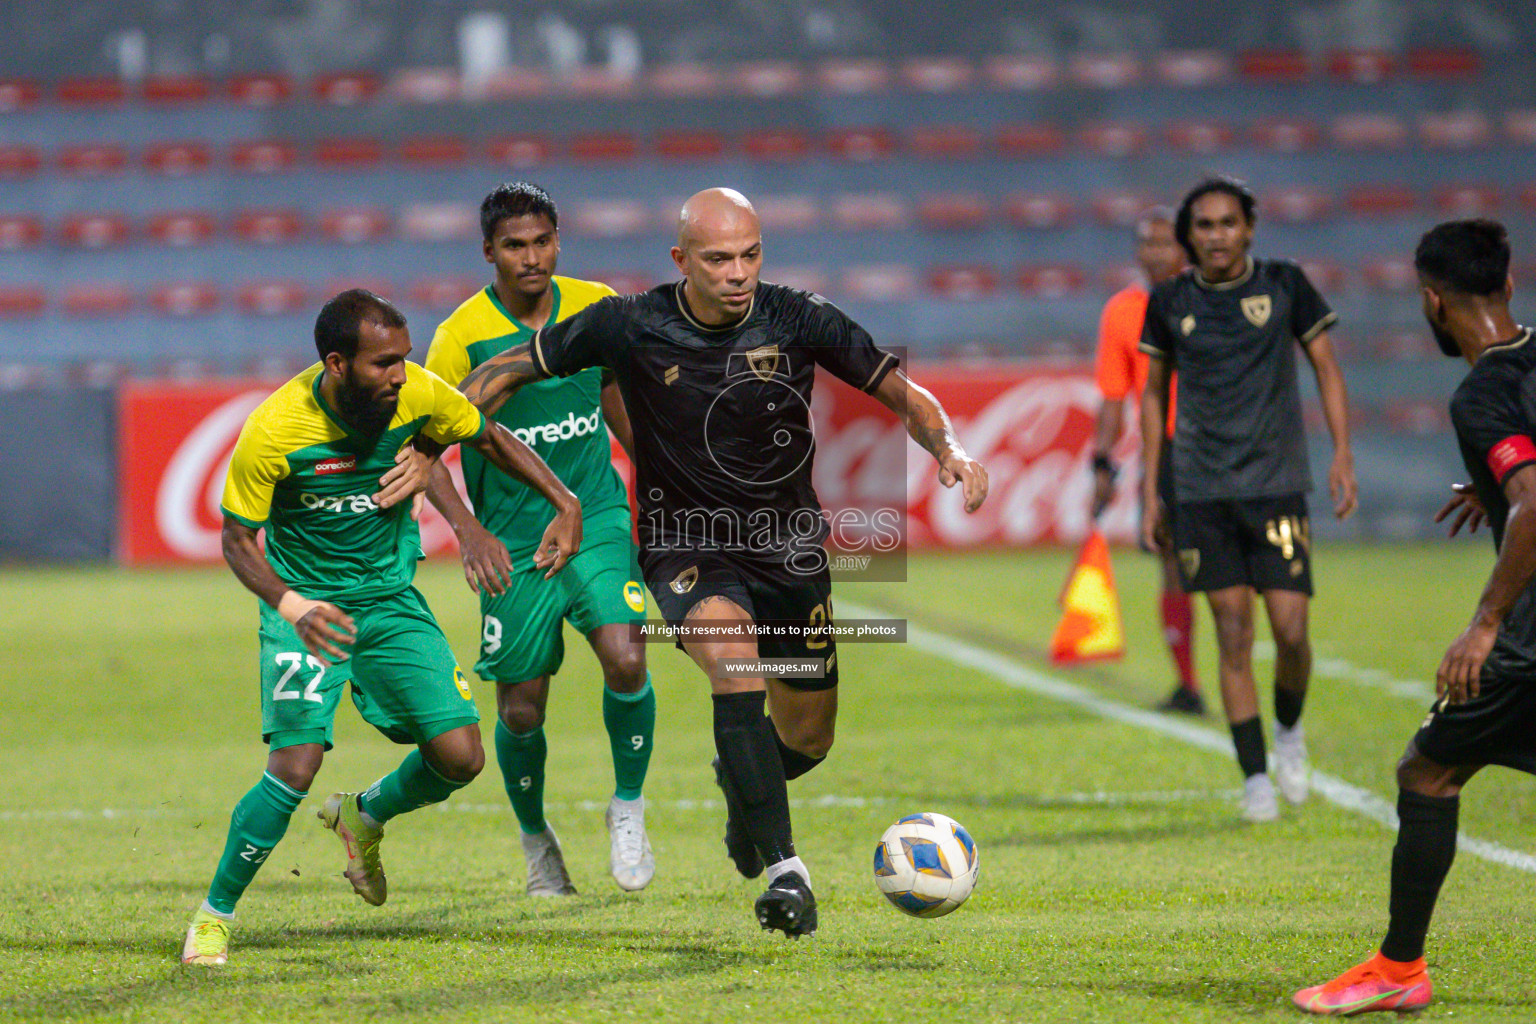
1342, 486
1459, 676
320, 624
560, 541
406, 478
1103, 491
1467, 507
957, 467
1154, 528
487, 565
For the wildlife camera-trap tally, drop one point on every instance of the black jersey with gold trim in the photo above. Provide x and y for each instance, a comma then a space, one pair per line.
724, 441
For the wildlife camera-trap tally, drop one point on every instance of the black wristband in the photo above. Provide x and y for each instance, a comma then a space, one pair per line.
1104, 464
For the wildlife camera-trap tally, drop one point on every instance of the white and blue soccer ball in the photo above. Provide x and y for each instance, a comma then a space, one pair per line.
926, 864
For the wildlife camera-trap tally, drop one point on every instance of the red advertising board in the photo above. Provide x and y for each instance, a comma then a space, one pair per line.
1030, 426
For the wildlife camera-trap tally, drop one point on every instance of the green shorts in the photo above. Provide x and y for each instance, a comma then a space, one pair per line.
521, 634
405, 680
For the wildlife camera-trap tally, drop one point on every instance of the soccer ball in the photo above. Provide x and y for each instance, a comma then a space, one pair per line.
926, 864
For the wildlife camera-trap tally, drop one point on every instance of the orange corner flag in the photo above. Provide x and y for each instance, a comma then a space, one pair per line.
1090, 623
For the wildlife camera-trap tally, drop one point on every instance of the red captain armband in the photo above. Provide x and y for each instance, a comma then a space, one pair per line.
1510, 454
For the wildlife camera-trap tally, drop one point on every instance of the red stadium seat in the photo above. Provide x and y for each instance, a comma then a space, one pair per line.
776, 144
1463, 201
268, 227
955, 211
263, 156
348, 153
259, 90
24, 300
439, 293
378, 285
1121, 275
615, 218
1328, 277
440, 222
515, 85
1105, 70
604, 146
90, 92
768, 79
962, 282
860, 144
520, 150
1201, 137
1030, 140
97, 300
1364, 67
19, 161
1404, 346
1527, 199
1520, 127
1051, 280
786, 212
1039, 211
1424, 418
1445, 63
1284, 134
599, 82
93, 158
626, 282
870, 212
1273, 66
938, 74
1461, 129
347, 89
1369, 131
880, 283
1119, 207
168, 90
425, 85
272, 298
1380, 200
18, 94
433, 151
1393, 274
95, 230
182, 228
807, 279
701, 145
1192, 68
18, 231
354, 225
685, 81
1296, 204
1113, 138
949, 142
184, 299
853, 76
273, 367
176, 159
1022, 73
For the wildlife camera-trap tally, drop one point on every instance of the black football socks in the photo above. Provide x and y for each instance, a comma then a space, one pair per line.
749, 757
1426, 846
796, 764
1288, 706
1248, 739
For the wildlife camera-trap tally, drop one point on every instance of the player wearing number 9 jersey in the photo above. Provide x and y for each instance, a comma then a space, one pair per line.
338, 604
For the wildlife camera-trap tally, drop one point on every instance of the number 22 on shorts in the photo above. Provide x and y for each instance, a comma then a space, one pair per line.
294, 663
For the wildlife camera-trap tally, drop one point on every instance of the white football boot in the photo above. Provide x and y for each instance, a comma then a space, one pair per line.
546, 865
630, 859
1292, 773
1259, 803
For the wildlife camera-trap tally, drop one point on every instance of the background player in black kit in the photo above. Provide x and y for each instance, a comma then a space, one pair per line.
716, 372
1231, 325
1486, 713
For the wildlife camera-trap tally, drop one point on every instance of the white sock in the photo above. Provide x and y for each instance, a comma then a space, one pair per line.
1257, 783
637, 804
783, 867
207, 908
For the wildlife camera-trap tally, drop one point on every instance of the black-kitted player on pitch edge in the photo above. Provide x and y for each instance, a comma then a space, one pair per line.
716, 372
1486, 713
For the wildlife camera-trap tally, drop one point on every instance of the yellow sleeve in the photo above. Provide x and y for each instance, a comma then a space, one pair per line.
448, 357
255, 467
454, 418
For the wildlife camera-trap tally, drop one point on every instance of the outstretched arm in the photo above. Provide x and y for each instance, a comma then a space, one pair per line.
929, 426
487, 566
490, 384
320, 624
1330, 388
563, 537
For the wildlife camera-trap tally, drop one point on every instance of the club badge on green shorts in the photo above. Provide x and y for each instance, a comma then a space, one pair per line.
634, 596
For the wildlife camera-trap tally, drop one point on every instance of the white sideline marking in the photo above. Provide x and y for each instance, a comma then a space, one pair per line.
1349, 672
1020, 676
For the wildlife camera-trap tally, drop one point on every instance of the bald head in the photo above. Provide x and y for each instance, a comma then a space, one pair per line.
713, 214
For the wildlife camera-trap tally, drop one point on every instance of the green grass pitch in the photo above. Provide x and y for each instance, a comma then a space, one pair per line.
1117, 883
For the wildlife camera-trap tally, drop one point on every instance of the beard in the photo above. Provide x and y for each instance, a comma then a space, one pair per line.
1447, 343
366, 414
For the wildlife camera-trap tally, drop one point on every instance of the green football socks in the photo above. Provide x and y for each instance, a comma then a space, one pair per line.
631, 722
414, 784
521, 756
258, 822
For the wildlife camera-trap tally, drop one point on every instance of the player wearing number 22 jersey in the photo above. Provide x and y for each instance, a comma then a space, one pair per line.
338, 604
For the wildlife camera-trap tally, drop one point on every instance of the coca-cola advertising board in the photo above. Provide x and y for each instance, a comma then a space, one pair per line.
1031, 427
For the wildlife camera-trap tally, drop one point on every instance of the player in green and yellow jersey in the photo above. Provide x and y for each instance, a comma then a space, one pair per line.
600, 594
335, 582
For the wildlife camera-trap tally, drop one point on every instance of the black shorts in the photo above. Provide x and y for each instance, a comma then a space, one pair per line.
1264, 543
1498, 726
681, 579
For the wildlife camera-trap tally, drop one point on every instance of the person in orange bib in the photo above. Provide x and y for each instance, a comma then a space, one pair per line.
1121, 371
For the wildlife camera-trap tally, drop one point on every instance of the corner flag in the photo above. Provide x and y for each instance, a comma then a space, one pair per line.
1090, 627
